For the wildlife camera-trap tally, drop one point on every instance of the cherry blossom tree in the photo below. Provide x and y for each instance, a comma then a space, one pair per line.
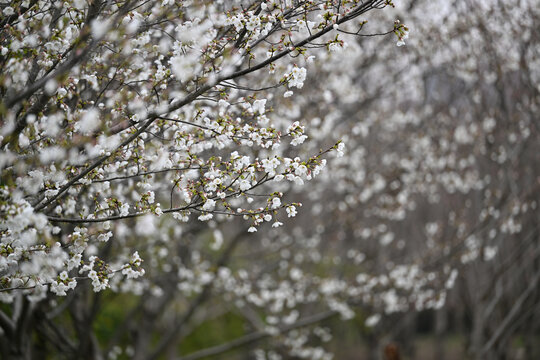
135, 128
194, 178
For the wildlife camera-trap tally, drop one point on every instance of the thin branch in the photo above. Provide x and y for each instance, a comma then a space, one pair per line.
256, 336
514, 311
7, 324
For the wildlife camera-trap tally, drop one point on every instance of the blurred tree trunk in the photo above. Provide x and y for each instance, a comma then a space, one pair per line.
477, 334
406, 336
373, 346
441, 325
